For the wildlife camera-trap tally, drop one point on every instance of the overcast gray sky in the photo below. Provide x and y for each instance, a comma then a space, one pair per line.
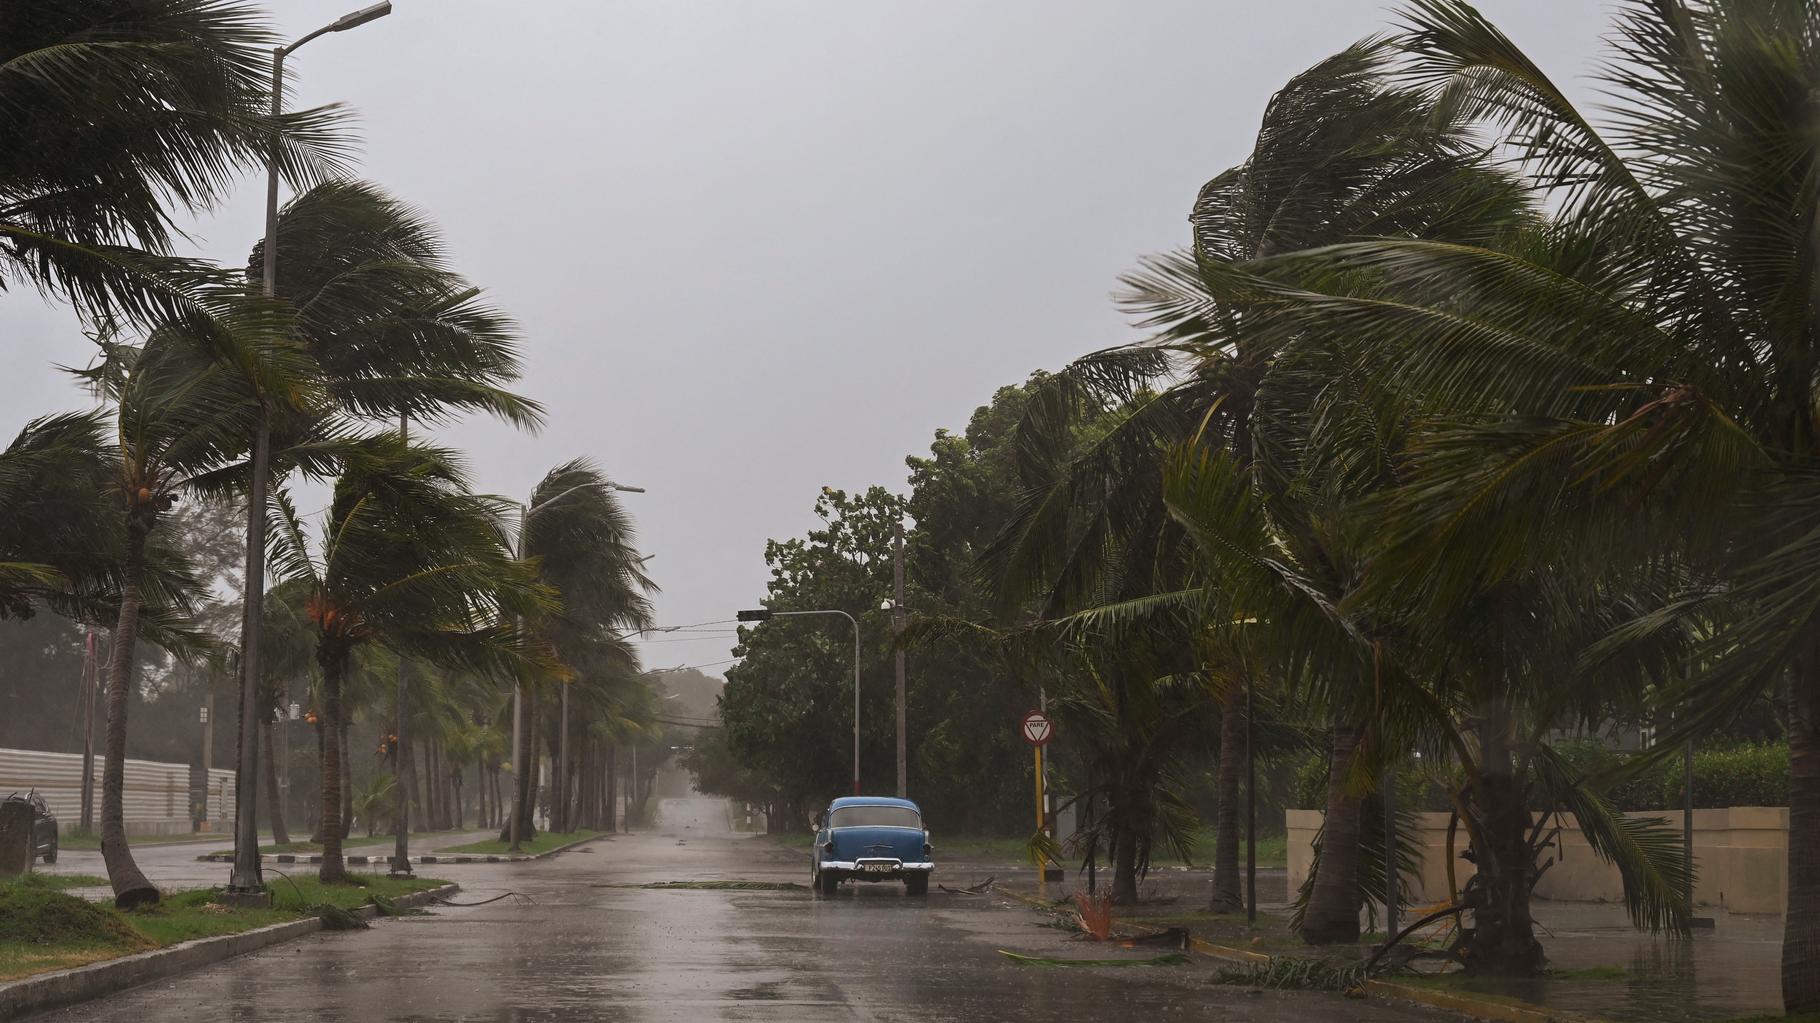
762, 246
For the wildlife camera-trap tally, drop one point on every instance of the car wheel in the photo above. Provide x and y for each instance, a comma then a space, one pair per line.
826, 883
916, 884
51, 857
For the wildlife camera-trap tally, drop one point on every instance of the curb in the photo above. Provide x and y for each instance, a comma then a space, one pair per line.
81, 983
1499, 1012
428, 858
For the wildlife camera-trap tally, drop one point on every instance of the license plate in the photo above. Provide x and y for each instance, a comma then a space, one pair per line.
879, 868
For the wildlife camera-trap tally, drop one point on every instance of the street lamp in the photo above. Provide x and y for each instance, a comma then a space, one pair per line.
245, 885
765, 615
524, 516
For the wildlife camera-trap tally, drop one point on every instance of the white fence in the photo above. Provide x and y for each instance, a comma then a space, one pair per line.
157, 795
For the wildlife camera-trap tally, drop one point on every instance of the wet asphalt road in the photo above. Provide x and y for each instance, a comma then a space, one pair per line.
590, 945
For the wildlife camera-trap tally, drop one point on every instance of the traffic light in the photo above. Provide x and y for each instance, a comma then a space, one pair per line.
759, 615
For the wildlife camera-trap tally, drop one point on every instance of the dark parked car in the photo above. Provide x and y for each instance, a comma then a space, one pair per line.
44, 826
872, 838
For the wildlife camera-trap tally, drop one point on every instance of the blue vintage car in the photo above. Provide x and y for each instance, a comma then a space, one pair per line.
872, 838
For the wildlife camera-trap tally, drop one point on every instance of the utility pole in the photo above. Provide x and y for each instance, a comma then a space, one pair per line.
88, 732
246, 884
897, 632
1390, 849
1251, 804
208, 744
402, 782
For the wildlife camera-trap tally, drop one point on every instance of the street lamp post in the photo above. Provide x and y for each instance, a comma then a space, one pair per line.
524, 516
765, 615
245, 884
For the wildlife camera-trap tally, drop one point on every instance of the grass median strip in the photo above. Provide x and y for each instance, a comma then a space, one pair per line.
543, 843
42, 928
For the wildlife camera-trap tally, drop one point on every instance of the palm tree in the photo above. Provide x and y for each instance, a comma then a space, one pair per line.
1629, 382
57, 538
176, 413
1339, 154
409, 558
390, 331
580, 543
135, 108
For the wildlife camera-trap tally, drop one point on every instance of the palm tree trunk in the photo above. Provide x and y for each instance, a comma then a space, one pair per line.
1124, 866
1228, 894
455, 798
1333, 906
481, 820
281, 835
334, 662
1503, 939
131, 888
559, 782
612, 793
1801, 924
321, 748
534, 779
432, 796
347, 777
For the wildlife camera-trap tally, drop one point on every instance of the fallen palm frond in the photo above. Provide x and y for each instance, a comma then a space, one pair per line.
334, 918
979, 889
1094, 914
737, 886
1297, 973
1172, 959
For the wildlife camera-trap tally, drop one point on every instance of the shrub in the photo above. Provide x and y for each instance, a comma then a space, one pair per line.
1736, 775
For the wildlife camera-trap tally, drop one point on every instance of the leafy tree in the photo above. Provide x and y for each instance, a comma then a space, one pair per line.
788, 706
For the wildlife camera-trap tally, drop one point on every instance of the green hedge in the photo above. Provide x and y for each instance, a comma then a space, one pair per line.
1748, 775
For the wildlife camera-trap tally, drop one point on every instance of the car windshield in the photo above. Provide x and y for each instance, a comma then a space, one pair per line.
874, 817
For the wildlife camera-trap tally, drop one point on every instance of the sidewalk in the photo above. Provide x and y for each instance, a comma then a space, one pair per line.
1734, 969
1602, 966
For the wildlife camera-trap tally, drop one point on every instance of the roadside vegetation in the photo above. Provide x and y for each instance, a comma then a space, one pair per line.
1464, 436
411, 601
43, 929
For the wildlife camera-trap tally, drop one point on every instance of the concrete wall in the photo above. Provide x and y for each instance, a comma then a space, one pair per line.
157, 798
1741, 854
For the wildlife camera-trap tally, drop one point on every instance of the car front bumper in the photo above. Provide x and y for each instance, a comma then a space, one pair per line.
861, 869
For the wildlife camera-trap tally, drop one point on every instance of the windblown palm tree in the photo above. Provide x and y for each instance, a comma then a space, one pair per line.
1633, 381
580, 542
57, 536
407, 557
177, 412
136, 110
1340, 154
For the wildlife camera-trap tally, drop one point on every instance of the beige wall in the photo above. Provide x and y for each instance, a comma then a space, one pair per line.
156, 800
1741, 854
